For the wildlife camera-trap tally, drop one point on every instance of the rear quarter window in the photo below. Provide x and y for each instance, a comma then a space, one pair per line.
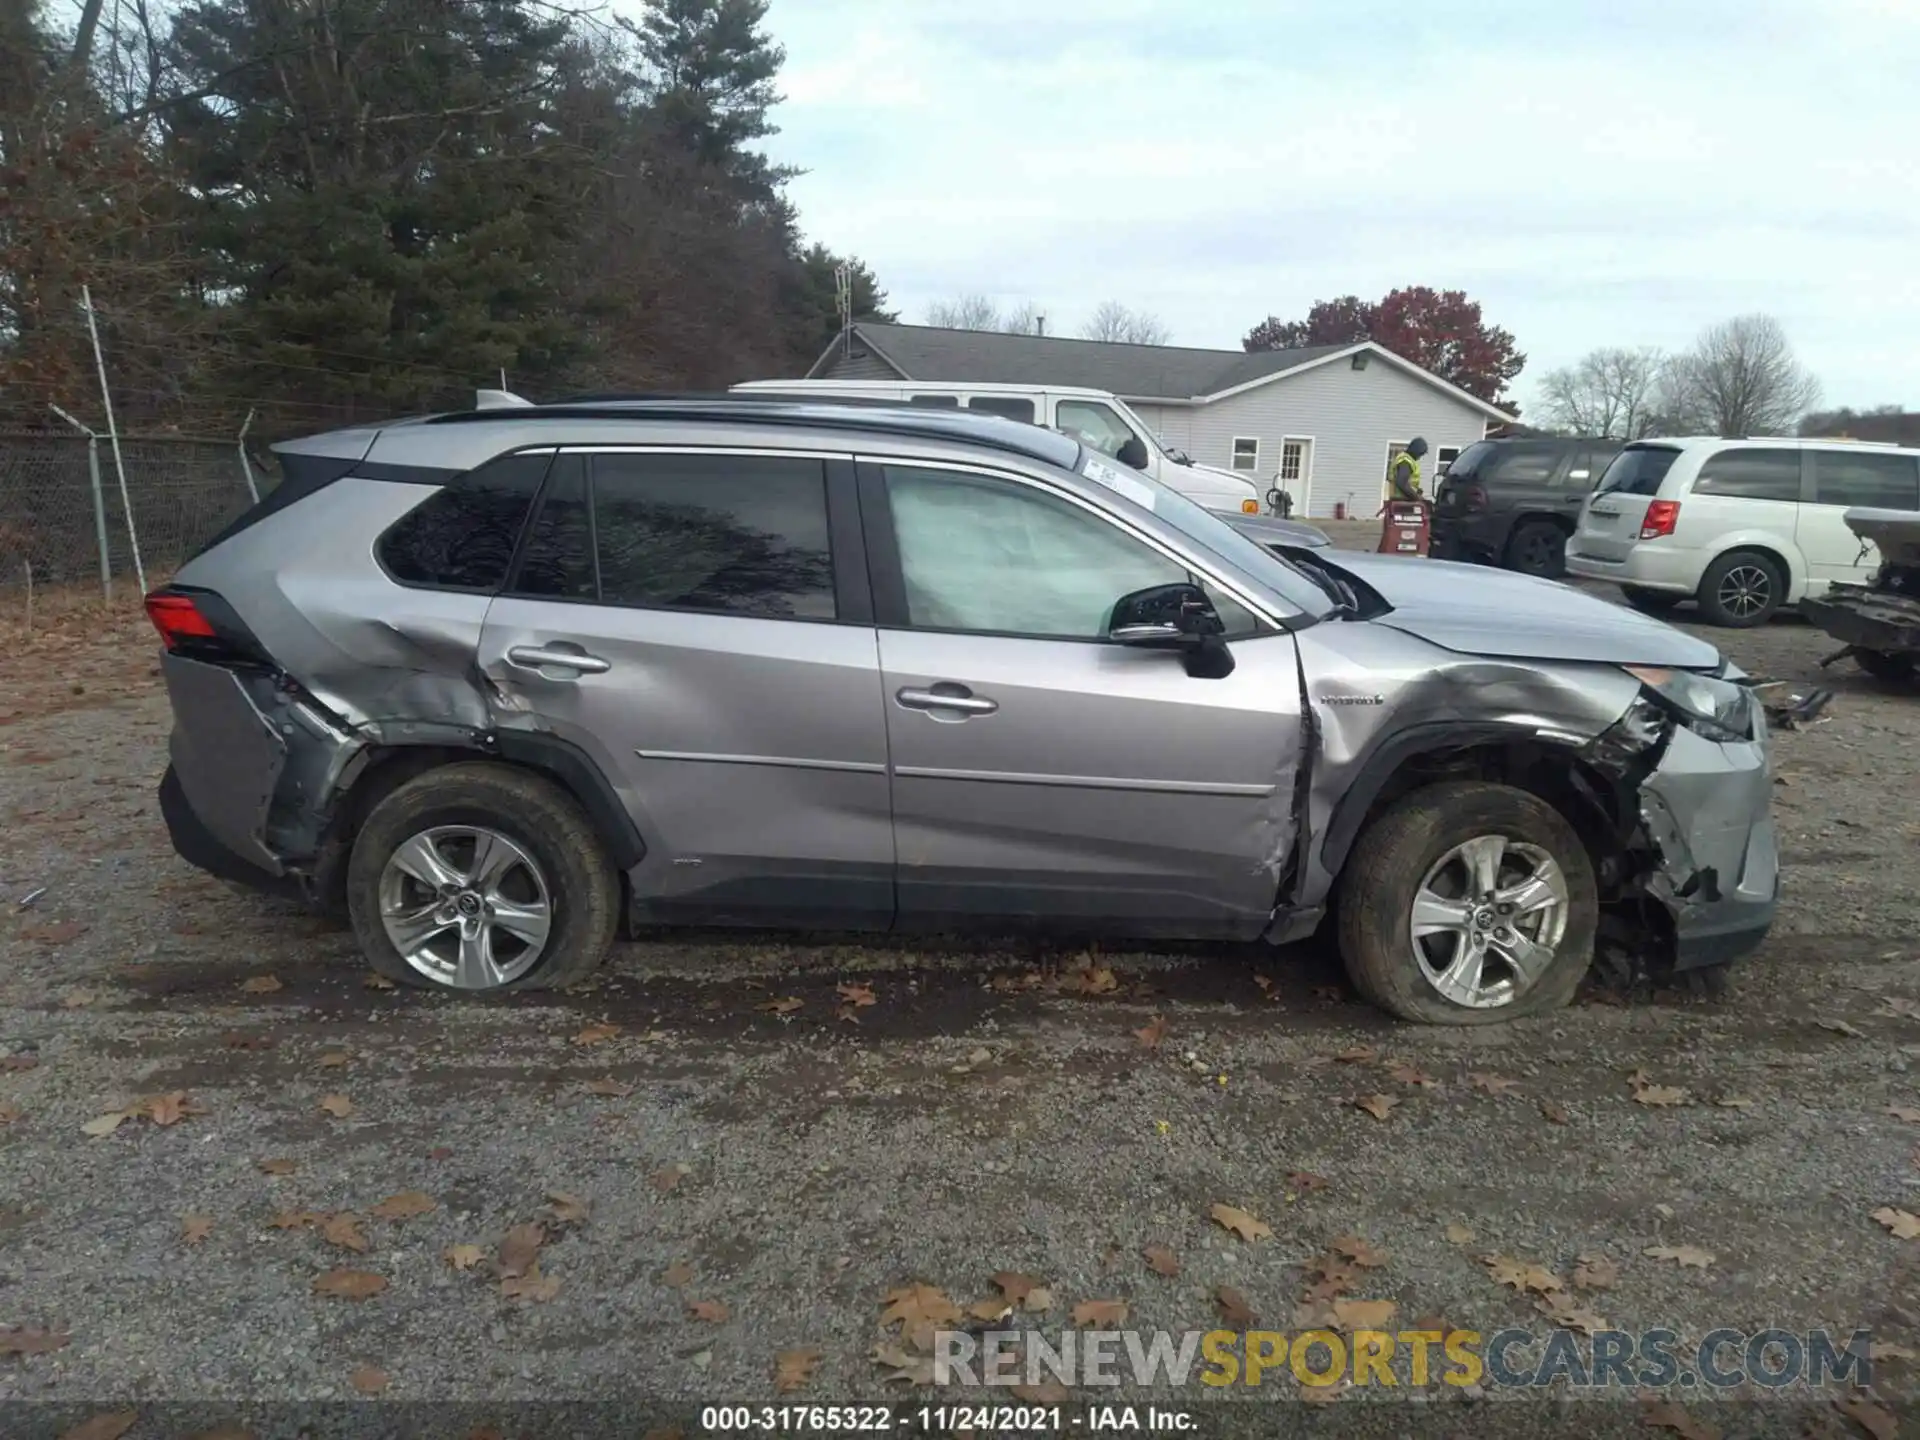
1750, 475
462, 537
1638, 470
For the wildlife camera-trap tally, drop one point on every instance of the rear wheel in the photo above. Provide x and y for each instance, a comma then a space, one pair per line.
1538, 547
1467, 903
480, 878
1651, 602
1742, 589
1887, 667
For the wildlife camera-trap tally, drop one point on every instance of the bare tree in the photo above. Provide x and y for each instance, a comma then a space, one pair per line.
1608, 392
1026, 318
968, 312
1115, 322
1741, 378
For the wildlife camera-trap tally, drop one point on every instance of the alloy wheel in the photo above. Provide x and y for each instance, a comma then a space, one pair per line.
466, 907
1488, 919
1745, 591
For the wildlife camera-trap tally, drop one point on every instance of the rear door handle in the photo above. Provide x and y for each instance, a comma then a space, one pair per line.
547, 657
947, 696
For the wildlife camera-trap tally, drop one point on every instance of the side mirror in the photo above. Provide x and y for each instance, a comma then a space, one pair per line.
1174, 617
1134, 453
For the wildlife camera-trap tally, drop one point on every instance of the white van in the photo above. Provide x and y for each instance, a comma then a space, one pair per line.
1098, 418
1741, 526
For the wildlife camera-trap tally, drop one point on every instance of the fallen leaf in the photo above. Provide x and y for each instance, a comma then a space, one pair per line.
916, 1305
1241, 1222
904, 1366
1015, 1286
568, 1209
1595, 1272
793, 1368
349, 1284
677, 1274
463, 1257
1152, 1033
1363, 1314
1407, 1073
405, 1205
334, 1060
9, 1112
295, 1220
1234, 1308
241, 1040
338, 1106
369, 1380
847, 1014
15, 1064
785, 1005
990, 1309
1905, 1112
1305, 1182
260, 985
26, 1340
520, 1249
1333, 1276
1840, 1027
102, 1126
713, 1312
533, 1287
1659, 1095
377, 982
1488, 1083
1879, 1350
343, 1230
1568, 1313
1904, 1226
1353, 1248
1378, 1106
1091, 980
1734, 1102
277, 1166
1554, 1114
107, 1425
195, 1228
169, 1109
1876, 1420
1108, 1314
1671, 1415
1356, 1055
1047, 1392
1520, 1274
595, 1033
1458, 1234
57, 933
857, 995
609, 1087
1039, 1300
1161, 1260
1265, 982
1686, 1255
1325, 1394
1899, 1007
665, 1180
78, 999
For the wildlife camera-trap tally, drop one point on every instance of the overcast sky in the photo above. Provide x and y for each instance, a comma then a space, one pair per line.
1594, 172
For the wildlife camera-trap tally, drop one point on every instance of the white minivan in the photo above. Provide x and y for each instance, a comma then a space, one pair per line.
1740, 526
1097, 418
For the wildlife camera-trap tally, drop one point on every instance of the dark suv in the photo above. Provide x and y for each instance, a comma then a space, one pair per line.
1515, 502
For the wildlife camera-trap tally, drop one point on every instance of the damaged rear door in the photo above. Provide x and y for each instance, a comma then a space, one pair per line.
1041, 773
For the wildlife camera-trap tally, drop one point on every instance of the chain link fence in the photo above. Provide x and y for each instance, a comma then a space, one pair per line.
65, 525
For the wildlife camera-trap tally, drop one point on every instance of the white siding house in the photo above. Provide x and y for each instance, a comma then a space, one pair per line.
1320, 422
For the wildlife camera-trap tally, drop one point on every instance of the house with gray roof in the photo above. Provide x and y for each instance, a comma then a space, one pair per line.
1319, 422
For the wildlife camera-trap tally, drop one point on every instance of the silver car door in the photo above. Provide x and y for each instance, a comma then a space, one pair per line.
1042, 773
698, 623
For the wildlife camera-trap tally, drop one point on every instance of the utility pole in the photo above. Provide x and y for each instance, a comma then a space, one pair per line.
843, 302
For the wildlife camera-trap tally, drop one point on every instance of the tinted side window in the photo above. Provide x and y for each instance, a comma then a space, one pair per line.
740, 534
462, 538
558, 560
1586, 467
1523, 464
1751, 475
936, 402
1638, 470
1884, 482
1007, 405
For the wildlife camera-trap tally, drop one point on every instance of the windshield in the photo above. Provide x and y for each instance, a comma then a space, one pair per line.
1637, 470
1470, 460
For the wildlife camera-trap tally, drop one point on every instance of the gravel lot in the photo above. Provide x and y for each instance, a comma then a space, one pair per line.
992, 1109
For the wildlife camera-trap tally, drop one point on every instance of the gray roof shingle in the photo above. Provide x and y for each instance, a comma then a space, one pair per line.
1167, 371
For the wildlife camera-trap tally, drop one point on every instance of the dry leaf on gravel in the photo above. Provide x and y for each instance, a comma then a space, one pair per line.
338, 1106
1106, 1314
1596, 1272
463, 1257
596, 1033
1841, 1027
520, 1249
1018, 1288
1458, 1234
1671, 1415
1325, 1394
1904, 1226
295, 1220
677, 1274
29, 1340
1241, 1222
16, 1064
1161, 1260
916, 1305
793, 1368
241, 1040
1356, 1055
711, 1312
1152, 1033
665, 1180
1353, 1315
568, 1209
1690, 1256
276, 1166
195, 1228
1658, 1095
58, 933
609, 1087
532, 1287
260, 985
785, 1005
1047, 1392
1554, 1114
1898, 1007
1487, 1083
1521, 1274
1352, 1247
1407, 1073
1734, 1102
1907, 1113
1233, 1307
78, 999
903, 1366
1879, 1350
369, 1380
102, 1126
1876, 1420
405, 1205
169, 1109
1569, 1314
377, 982
349, 1284
343, 1230
334, 1060
107, 1425
1305, 1182
858, 996
991, 1309
9, 1112
1378, 1106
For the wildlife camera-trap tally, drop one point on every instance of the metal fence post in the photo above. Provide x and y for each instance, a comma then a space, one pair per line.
113, 434
246, 468
99, 500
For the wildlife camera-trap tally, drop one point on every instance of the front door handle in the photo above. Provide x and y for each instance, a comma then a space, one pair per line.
947, 696
547, 657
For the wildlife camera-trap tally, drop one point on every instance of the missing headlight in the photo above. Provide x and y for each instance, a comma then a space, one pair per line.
1713, 709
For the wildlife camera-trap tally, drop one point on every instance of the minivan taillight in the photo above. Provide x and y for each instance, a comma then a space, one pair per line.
177, 618
1662, 516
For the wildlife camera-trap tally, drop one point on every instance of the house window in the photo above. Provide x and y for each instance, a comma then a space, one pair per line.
1444, 458
1293, 454
1246, 453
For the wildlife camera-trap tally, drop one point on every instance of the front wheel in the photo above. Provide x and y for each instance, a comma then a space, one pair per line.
1467, 903
1538, 547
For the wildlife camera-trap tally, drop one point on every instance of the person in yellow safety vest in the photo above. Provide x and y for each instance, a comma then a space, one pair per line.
1405, 470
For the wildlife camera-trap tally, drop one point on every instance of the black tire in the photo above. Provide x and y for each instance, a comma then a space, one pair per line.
1742, 589
1651, 602
1538, 547
535, 814
1393, 857
1888, 667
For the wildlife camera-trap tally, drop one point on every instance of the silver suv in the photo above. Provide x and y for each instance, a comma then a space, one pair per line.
499, 683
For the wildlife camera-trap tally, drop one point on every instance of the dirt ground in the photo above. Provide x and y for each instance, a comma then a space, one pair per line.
793, 1129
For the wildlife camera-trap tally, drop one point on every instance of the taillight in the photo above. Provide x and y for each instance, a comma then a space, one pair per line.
1473, 497
1662, 516
177, 618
